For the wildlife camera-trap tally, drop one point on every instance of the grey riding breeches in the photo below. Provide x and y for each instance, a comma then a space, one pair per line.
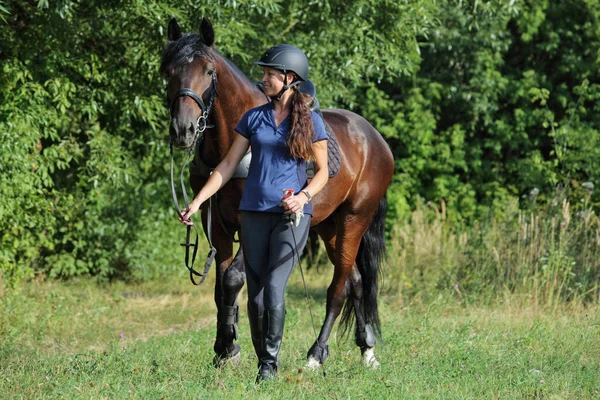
272, 246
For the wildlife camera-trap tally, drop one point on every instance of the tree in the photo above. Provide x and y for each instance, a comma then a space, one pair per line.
84, 161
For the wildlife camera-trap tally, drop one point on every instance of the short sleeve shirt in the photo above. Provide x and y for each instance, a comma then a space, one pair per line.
272, 168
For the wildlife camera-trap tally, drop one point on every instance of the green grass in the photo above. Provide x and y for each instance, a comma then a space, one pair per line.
63, 340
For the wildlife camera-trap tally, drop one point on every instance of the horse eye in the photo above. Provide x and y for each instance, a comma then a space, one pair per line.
211, 71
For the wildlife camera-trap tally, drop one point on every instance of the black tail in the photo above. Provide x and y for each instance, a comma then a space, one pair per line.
371, 254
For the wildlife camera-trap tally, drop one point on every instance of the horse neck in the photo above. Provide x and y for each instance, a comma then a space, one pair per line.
237, 94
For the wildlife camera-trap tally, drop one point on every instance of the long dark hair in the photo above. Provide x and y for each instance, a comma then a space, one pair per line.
300, 138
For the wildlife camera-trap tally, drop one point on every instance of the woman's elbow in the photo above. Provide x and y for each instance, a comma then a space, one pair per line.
225, 168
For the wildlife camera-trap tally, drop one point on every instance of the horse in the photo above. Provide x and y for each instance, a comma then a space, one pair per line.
349, 213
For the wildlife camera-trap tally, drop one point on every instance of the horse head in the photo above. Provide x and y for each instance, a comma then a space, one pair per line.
190, 66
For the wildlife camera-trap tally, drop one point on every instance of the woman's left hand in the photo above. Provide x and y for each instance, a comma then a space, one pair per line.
294, 204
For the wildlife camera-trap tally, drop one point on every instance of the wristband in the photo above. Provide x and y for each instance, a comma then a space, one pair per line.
307, 195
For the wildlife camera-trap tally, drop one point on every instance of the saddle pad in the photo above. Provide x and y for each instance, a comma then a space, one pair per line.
334, 158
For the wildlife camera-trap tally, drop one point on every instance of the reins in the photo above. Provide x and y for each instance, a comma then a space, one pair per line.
201, 125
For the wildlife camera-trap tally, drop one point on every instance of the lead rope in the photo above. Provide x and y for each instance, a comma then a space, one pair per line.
312, 319
212, 253
187, 244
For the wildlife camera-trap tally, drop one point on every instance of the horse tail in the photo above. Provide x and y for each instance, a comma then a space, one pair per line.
371, 255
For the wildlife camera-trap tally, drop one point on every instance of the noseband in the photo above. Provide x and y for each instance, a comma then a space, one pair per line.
201, 125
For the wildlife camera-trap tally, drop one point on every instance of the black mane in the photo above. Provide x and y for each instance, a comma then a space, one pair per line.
182, 51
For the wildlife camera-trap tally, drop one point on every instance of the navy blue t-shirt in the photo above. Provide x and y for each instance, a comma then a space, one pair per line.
272, 168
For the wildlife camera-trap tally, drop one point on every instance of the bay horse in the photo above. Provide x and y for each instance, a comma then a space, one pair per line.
349, 213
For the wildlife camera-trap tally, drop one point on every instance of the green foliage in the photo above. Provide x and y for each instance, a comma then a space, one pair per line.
481, 102
3, 11
84, 152
504, 105
83, 175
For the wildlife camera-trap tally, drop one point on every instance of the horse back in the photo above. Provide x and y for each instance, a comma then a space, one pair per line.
367, 166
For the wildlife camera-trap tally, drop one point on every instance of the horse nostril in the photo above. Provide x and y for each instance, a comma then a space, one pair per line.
192, 127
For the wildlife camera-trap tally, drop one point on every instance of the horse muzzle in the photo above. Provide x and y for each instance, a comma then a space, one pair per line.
182, 134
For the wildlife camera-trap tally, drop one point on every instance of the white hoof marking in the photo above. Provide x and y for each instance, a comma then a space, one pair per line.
370, 360
313, 364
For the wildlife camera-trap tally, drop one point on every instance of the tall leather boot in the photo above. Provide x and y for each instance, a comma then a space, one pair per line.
256, 328
268, 361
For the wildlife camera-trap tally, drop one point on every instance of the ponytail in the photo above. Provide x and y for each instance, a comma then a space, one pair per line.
300, 138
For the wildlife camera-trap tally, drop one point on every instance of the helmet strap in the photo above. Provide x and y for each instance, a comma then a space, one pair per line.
285, 86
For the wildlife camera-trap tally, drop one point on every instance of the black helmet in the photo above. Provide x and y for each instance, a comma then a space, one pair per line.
287, 58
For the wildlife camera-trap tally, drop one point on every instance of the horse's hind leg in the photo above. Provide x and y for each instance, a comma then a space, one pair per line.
364, 334
320, 350
342, 246
229, 282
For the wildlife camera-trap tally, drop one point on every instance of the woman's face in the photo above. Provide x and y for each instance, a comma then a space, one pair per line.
272, 80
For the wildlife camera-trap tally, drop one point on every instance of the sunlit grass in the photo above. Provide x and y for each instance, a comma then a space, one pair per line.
505, 309
65, 339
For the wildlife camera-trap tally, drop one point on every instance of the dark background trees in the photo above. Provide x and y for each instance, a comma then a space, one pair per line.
481, 102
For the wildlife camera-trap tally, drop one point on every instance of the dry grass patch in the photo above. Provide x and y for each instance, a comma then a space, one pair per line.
70, 317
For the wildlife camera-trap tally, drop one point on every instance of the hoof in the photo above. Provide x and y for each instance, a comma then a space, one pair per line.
313, 364
317, 355
233, 358
369, 358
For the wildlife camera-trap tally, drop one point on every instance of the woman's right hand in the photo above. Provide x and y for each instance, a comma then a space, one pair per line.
186, 214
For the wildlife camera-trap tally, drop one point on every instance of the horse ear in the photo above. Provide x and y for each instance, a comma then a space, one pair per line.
207, 32
174, 31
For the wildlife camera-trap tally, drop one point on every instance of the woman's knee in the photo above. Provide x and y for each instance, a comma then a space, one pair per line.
274, 295
256, 302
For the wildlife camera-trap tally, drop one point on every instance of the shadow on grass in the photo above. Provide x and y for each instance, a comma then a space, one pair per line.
296, 292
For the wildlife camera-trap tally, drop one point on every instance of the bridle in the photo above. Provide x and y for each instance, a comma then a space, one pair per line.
201, 125
186, 92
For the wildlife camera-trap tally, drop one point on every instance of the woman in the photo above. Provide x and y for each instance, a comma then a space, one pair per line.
284, 134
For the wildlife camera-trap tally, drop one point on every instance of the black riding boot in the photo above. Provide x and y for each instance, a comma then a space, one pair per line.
268, 360
256, 328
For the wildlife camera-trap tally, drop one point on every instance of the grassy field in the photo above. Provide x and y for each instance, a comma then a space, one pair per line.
154, 341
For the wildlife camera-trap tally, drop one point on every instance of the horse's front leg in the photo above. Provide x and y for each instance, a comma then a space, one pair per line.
230, 277
229, 282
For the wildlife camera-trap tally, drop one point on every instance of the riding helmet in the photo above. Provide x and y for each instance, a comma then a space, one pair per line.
287, 58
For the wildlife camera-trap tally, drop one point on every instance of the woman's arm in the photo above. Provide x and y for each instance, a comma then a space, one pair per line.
296, 203
220, 176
